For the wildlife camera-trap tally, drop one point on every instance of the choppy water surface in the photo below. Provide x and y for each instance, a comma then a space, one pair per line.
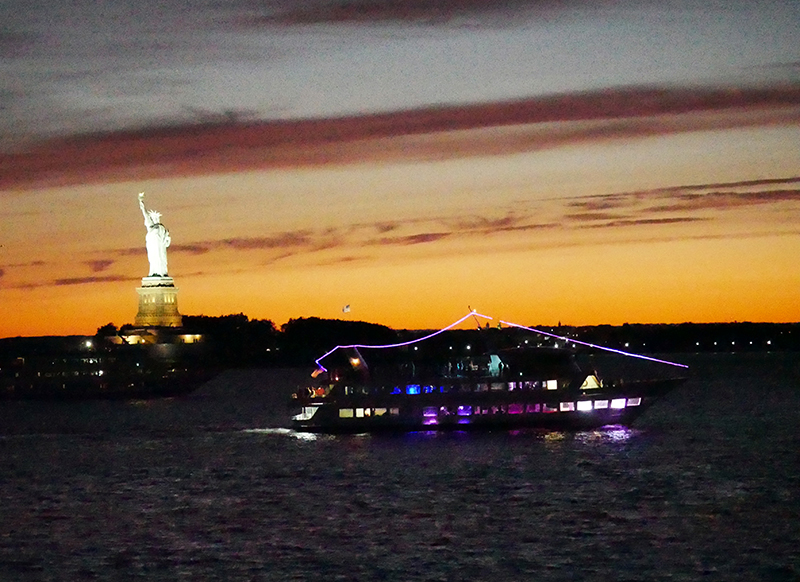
214, 487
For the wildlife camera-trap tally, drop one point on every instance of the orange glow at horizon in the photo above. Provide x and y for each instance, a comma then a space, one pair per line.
703, 226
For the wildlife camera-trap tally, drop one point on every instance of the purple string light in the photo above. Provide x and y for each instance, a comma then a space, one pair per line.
467, 316
594, 345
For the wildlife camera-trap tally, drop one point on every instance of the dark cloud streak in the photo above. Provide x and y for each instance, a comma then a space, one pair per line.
420, 134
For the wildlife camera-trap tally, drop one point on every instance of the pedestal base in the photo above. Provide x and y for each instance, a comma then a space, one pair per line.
158, 303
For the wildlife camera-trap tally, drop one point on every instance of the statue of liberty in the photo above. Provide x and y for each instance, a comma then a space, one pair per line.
157, 240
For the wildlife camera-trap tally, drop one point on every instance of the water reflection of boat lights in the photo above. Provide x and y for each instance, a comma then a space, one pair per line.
301, 436
613, 433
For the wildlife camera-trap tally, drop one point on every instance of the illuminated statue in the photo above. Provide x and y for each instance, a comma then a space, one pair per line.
157, 240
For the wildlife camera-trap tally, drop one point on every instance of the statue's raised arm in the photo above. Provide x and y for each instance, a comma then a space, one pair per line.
156, 240
144, 211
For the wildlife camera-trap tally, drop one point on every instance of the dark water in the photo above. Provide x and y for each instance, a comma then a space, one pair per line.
211, 487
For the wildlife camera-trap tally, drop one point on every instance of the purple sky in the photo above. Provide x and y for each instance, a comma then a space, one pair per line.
80, 65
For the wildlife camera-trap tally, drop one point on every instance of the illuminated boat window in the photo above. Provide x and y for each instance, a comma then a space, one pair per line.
598, 404
345, 413
464, 421
428, 389
367, 412
394, 411
618, 403
512, 386
516, 408
396, 390
533, 408
444, 411
412, 389
584, 405
552, 384
429, 411
379, 412
359, 413
548, 408
429, 421
567, 406
634, 401
497, 386
464, 410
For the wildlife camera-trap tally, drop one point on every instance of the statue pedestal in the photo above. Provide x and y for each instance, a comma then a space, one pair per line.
158, 303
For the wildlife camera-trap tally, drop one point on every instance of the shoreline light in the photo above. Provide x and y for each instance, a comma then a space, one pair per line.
629, 354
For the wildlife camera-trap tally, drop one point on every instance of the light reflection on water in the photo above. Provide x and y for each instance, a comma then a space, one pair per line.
607, 434
301, 436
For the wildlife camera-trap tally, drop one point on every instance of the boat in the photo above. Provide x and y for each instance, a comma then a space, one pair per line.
87, 368
493, 386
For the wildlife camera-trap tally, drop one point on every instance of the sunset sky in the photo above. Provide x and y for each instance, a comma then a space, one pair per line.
539, 161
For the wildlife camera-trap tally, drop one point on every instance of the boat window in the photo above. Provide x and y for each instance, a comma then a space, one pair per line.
497, 386
345, 413
394, 411
512, 386
429, 411
548, 408
396, 390
598, 404
584, 405
428, 389
412, 389
567, 406
533, 408
379, 411
359, 413
618, 403
634, 401
552, 384
464, 410
516, 408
